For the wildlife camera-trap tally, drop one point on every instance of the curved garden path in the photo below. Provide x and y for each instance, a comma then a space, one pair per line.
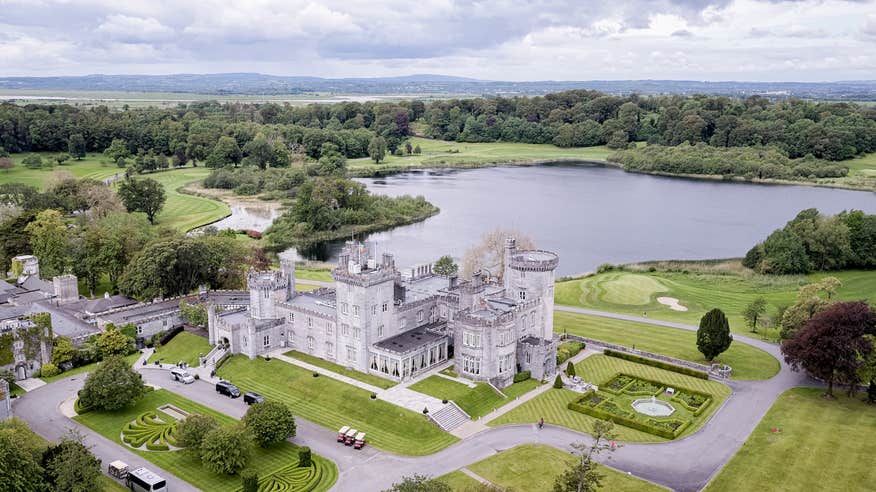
685, 464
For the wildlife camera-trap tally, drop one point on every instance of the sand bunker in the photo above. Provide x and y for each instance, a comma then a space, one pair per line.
672, 303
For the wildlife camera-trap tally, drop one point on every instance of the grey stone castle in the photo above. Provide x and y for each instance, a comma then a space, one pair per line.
378, 320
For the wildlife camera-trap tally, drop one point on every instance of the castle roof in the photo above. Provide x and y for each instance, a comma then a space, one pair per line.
412, 340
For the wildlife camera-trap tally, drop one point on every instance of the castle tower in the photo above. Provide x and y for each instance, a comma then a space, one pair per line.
265, 289
66, 288
529, 275
287, 266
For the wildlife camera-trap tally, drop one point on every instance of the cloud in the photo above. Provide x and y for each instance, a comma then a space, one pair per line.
131, 29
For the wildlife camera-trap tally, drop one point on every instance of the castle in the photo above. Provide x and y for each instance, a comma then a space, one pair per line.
380, 321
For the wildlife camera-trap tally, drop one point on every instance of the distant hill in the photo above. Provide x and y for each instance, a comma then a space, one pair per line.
260, 84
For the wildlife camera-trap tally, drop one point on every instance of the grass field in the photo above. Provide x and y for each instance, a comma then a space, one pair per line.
747, 362
322, 275
86, 368
333, 404
551, 405
636, 292
188, 467
477, 401
438, 153
94, 166
183, 347
533, 468
350, 373
182, 211
820, 444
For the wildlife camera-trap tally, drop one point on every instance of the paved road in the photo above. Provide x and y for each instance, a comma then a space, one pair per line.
685, 464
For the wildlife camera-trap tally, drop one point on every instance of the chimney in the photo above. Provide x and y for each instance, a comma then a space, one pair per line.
388, 261
453, 281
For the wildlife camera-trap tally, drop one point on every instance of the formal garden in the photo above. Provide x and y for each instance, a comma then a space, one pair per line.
650, 406
620, 383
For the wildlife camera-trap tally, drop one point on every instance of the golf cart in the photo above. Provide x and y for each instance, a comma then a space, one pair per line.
350, 438
360, 441
342, 433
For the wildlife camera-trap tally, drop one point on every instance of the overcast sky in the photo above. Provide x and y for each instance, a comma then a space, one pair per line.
804, 40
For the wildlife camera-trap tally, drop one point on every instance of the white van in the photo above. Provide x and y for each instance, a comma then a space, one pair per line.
179, 374
143, 480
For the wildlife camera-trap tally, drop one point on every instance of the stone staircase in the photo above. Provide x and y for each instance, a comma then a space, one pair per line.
449, 417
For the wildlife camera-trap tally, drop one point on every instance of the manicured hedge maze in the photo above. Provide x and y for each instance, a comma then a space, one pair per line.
156, 431
297, 479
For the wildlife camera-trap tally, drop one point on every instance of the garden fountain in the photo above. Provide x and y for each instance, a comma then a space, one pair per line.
653, 407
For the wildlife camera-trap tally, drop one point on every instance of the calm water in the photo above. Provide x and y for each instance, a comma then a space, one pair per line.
593, 214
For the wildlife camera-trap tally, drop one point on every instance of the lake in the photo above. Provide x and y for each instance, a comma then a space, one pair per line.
592, 214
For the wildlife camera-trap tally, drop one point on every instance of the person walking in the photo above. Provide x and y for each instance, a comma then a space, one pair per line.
541, 422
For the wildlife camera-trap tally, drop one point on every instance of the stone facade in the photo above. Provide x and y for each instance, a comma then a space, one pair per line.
378, 321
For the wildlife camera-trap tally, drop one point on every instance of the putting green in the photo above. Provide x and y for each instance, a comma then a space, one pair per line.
636, 290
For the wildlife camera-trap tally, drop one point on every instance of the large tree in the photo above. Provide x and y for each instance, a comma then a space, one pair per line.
142, 195
377, 149
76, 146
811, 299
113, 385
832, 345
117, 151
191, 431
713, 335
70, 466
113, 342
269, 422
49, 239
489, 252
226, 450
20, 469
753, 311
225, 153
583, 475
419, 483
445, 266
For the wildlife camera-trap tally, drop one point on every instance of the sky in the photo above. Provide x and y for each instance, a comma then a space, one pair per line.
768, 40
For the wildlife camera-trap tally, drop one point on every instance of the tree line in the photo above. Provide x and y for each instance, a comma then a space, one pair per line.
816, 242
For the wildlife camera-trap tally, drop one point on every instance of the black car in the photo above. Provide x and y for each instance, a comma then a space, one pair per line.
252, 397
227, 389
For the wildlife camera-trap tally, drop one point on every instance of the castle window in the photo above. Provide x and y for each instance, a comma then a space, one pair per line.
328, 329
344, 308
345, 329
291, 317
471, 339
139, 330
380, 331
309, 322
522, 295
355, 310
310, 343
356, 333
266, 340
420, 315
403, 323
351, 353
385, 307
330, 349
504, 363
374, 309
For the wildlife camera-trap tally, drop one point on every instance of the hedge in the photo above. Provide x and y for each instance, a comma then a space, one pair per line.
567, 350
687, 371
169, 334
628, 422
225, 358
522, 376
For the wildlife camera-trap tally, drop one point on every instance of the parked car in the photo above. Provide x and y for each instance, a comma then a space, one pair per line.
360, 441
342, 433
143, 480
179, 374
227, 389
350, 437
252, 397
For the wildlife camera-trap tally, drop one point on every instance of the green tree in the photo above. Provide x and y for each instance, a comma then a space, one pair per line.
194, 314
70, 466
76, 146
809, 303
49, 239
419, 483
331, 161
558, 382
117, 151
226, 450
113, 342
113, 385
121, 236
63, 351
417, 149
713, 335
753, 311
20, 470
304, 457
269, 422
583, 475
250, 480
377, 149
445, 266
225, 153
259, 152
142, 195
60, 159
570, 369
191, 431
33, 161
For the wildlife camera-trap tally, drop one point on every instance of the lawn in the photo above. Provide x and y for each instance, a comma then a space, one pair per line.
747, 362
87, 368
333, 404
94, 166
637, 292
344, 371
183, 211
552, 404
323, 275
477, 401
534, 467
187, 467
818, 444
438, 153
184, 347
305, 287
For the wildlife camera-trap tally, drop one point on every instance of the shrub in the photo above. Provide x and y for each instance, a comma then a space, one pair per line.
558, 382
169, 334
226, 450
304, 459
191, 431
222, 360
269, 422
48, 370
112, 385
522, 376
657, 363
617, 384
157, 447
570, 369
250, 480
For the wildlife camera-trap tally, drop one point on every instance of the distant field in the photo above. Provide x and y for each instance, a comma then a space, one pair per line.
94, 166
437, 153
